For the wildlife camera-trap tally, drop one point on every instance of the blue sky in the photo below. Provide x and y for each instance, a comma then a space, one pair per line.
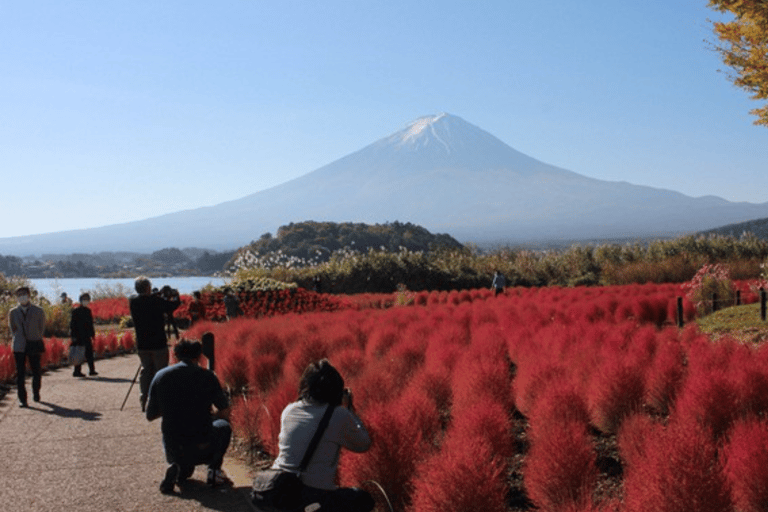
119, 111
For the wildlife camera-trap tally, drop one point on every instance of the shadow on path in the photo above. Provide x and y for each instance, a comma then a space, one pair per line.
109, 379
65, 412
221, 498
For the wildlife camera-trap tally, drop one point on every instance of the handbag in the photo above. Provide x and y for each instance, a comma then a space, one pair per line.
276, 490
76, 354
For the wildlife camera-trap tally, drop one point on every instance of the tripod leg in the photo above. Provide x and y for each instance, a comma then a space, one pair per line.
130, 388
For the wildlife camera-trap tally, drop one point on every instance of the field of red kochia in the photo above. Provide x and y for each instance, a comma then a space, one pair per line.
474, 402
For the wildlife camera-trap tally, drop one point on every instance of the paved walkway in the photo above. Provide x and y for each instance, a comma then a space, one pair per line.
77, 451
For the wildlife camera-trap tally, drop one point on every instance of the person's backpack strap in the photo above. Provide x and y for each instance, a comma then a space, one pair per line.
316, 438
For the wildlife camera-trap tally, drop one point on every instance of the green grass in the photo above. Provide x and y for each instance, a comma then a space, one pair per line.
741, 322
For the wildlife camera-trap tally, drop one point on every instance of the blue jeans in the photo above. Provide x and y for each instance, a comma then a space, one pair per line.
21, 373
210, 452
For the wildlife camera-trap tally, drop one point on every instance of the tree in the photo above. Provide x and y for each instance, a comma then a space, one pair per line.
744, 47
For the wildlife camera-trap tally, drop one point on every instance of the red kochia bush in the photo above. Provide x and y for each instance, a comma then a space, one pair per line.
746, 464
233, 368
560, 469
484, 420
679, 472
269, 418
7, 363
616, 390
127, 341
559, 403
245, 417
465, 478
665, 376
633, 438
54, 353
263, 373
391, 461
710, 398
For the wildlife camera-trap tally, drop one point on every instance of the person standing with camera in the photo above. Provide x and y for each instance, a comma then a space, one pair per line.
27, 324
148, 313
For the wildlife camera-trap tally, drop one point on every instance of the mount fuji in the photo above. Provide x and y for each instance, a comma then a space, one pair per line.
439, 172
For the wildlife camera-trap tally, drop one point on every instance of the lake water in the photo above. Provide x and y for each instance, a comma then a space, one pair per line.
73, 287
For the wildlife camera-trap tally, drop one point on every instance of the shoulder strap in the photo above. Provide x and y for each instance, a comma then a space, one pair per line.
316, 438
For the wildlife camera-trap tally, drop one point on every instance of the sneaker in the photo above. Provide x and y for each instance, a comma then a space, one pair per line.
171, 474
217, 477
78, 374
23, 403
93, 373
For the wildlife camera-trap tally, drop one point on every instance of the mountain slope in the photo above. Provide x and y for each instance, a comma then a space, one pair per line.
439, 172
757, 227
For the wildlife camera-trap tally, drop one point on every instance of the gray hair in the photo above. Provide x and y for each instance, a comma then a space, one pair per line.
143, 284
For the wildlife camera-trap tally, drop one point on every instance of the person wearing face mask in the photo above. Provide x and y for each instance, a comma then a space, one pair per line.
27, 324
82, 331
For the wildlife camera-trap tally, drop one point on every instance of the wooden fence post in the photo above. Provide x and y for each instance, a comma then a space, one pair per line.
679, 311
738, 297
762, 304
714, 302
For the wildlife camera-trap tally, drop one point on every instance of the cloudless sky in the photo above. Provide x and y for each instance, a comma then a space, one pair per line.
119, 111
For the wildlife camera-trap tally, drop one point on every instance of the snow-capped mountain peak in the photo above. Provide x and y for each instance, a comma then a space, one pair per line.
427, 130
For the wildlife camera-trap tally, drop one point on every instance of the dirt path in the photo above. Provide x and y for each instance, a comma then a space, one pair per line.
76, 450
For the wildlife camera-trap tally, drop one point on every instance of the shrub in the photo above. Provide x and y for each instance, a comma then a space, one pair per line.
560, 469
269, 420
680, 474
467, 478
616, 390
477, 379
746, 464
397, 450
709, 398
530, 382
665, 376
560, 403
264, 373
233, 369
246, 416
7, 363
486, 420
633, 438
127, 341
709, 280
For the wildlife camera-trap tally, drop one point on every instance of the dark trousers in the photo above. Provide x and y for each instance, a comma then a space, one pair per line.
88, 358
211, 452
345, 499
21, 373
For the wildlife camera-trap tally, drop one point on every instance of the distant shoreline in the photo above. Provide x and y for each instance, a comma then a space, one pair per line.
52, 288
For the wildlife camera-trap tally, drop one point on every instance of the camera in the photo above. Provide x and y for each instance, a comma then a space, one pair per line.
168, 293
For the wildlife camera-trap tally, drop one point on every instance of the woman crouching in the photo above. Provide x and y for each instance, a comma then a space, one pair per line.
322, 386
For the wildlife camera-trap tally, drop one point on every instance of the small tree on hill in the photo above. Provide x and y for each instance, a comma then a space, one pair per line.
710, 280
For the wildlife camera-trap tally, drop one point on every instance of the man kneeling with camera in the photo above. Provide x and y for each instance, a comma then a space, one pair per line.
184, 395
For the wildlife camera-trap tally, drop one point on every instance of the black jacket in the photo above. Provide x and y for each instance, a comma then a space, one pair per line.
81, 326
148, 313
